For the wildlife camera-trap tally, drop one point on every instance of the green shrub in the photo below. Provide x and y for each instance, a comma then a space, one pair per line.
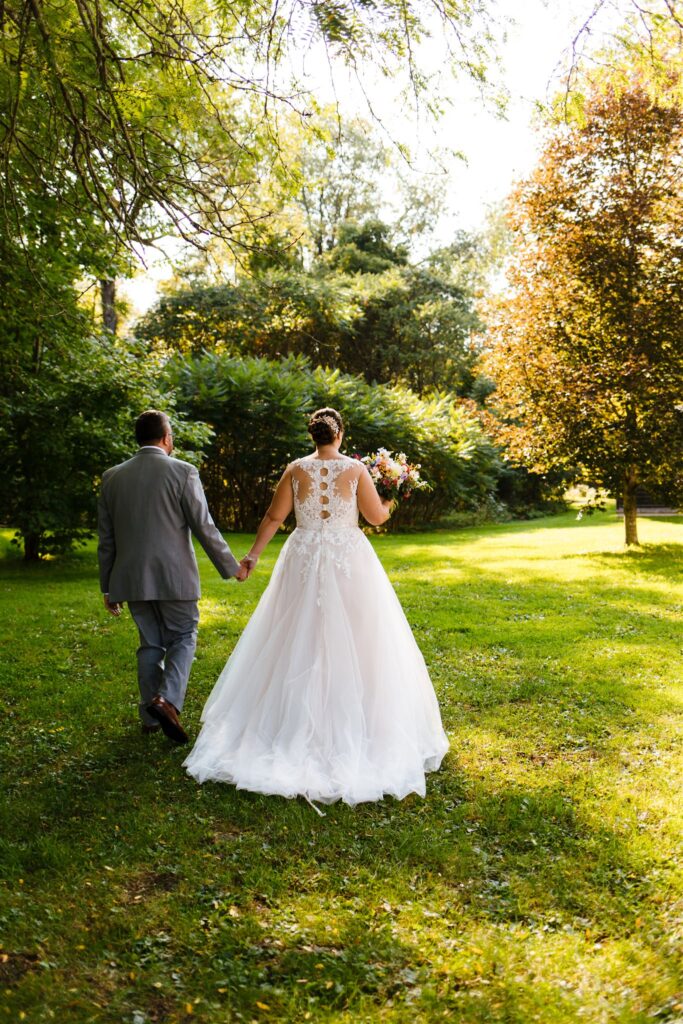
60, 428
258, 410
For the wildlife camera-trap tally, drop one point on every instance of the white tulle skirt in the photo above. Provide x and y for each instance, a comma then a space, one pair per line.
326, 694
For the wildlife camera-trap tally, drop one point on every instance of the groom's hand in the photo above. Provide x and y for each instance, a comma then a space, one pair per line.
113, 608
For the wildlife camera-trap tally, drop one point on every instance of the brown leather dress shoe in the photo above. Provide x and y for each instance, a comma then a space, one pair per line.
147, 729
167, 717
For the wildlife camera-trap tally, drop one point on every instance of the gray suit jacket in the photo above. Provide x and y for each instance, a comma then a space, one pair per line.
147, 510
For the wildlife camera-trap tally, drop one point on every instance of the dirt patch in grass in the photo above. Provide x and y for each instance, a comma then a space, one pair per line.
160, 1008
13, 966
225, 835
151, 883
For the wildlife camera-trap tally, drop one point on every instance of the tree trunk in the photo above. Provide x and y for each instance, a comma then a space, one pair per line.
631, 508
108, 296
31, 547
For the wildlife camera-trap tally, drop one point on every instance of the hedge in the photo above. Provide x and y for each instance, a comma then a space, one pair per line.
258, 410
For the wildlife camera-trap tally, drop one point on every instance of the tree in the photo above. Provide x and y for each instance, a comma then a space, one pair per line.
339, 174
415, 328
138, 111
330, 176
347, 173
274, 314
364, 248
362, 308
121, 120
68, 398
129, 119
586, 355
61, 428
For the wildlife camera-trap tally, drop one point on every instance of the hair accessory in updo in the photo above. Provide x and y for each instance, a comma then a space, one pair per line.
332, 424
325, 425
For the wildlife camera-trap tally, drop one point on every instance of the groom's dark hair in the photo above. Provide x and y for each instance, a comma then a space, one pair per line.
151, 425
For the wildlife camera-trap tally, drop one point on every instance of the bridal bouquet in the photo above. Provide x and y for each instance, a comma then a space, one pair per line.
392, 475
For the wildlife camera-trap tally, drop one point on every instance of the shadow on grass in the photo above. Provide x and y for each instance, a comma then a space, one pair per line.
485, 821
240, 891
664, 560
240, 894
74, 569
502, 637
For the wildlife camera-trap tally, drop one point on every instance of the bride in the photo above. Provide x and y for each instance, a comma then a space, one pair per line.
326, 694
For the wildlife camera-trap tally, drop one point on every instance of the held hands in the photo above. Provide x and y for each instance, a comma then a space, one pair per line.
113, 608
246, 568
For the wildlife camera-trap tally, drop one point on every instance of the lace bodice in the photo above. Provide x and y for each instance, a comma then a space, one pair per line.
325, 493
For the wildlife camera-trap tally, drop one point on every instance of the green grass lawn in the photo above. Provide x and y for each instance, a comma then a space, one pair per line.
541, 879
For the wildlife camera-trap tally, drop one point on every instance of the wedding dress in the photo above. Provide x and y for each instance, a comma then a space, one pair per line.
326, 694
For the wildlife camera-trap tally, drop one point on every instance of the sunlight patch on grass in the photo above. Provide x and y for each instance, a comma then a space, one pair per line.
540, 879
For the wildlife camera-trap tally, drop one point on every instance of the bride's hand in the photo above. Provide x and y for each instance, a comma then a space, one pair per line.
249, 564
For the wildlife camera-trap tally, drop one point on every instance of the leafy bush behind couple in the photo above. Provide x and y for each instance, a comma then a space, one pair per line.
61, 431
257, 409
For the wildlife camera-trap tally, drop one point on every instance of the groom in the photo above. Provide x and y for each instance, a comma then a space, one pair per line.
148, 508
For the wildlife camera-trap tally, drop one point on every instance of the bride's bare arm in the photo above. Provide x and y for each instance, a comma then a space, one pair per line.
279, 509
375, 510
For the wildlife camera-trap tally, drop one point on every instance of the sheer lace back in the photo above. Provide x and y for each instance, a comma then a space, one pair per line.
325, 492
329, 712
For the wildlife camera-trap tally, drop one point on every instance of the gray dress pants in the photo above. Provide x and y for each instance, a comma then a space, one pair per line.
168, 638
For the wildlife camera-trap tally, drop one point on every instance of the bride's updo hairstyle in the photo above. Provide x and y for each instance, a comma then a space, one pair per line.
325, 425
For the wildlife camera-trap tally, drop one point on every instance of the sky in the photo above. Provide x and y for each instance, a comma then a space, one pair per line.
497, 150
500, 150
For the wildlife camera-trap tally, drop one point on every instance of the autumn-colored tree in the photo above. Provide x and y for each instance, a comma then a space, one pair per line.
587, 344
